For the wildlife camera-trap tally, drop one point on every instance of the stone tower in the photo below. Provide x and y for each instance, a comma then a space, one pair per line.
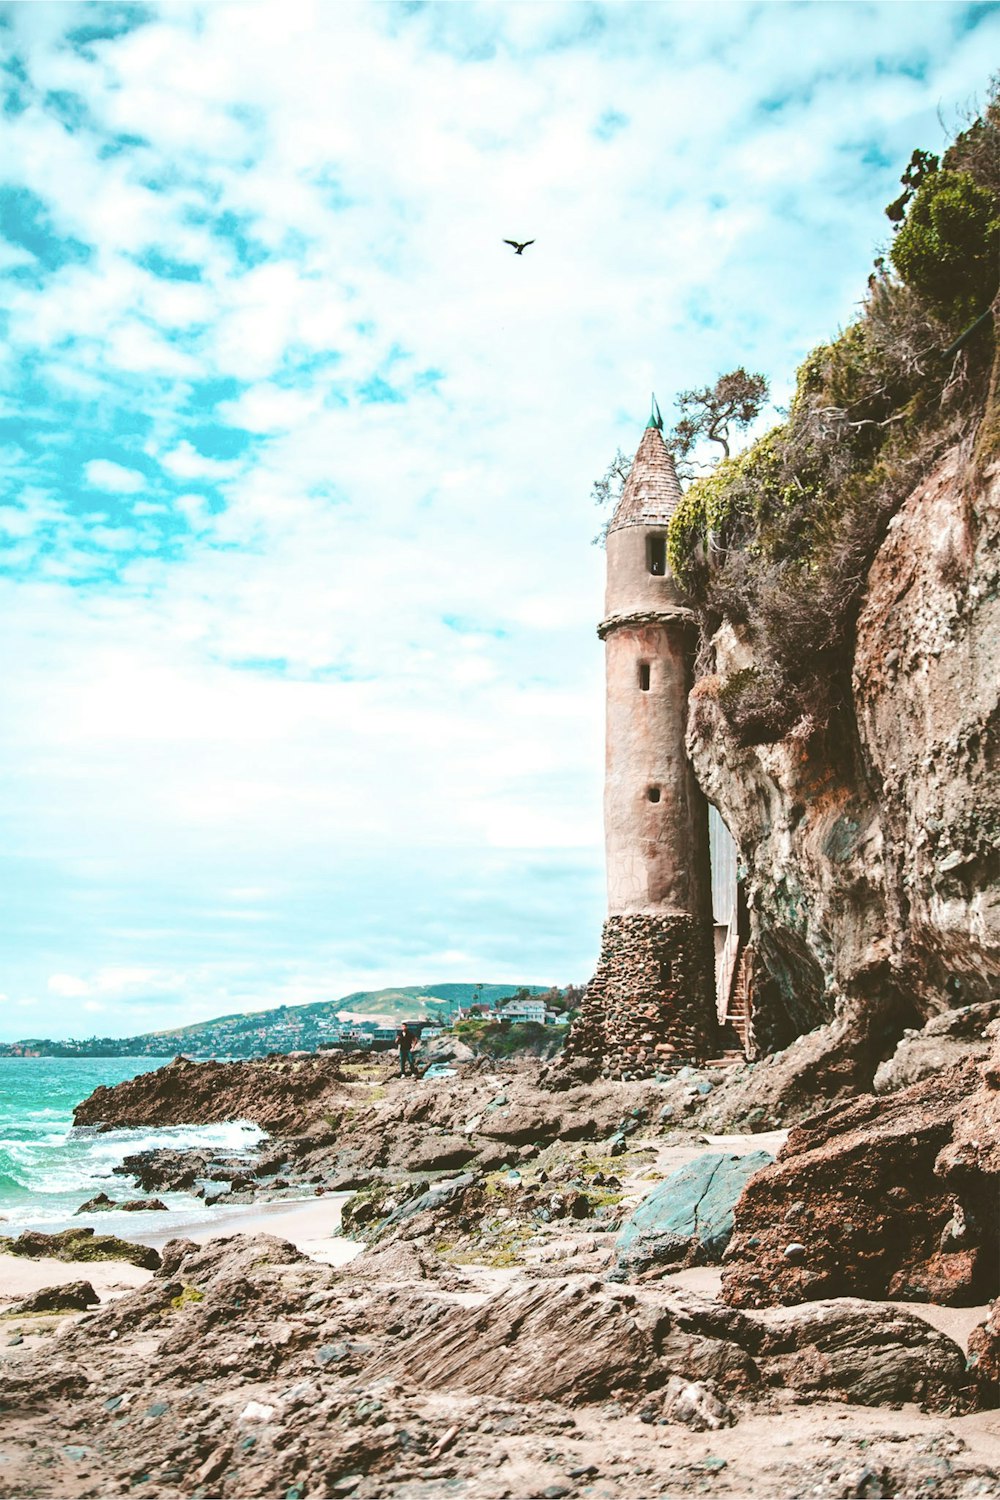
651, 1003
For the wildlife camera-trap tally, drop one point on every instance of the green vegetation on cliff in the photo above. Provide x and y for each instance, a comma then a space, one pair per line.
778, 540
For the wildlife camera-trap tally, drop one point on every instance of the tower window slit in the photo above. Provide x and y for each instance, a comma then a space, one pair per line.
653, 794
644, 676
666, 971
656, 554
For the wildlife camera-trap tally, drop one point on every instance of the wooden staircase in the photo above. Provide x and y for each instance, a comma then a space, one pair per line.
738, 1008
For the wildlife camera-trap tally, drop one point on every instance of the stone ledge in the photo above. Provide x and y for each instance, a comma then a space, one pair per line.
678, 615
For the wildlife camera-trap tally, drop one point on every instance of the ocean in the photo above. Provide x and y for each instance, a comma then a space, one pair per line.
48, 1168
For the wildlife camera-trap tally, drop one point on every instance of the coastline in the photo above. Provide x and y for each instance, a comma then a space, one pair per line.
311, 1224
482, 1325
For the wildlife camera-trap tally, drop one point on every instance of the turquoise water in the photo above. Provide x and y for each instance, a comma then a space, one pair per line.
48, 1168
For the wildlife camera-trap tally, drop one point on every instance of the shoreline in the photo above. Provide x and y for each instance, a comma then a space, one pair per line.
307, 1213
311, 1224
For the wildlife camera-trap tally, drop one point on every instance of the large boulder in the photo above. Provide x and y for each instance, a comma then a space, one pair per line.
80, 1244
442, 1195
430, 1151
71, 1296
893, 1196
865, 1352
689, 1216
519, 1124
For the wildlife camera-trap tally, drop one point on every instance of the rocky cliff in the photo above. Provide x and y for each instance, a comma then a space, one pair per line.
870, 842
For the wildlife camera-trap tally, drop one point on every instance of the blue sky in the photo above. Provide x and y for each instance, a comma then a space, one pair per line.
302, 692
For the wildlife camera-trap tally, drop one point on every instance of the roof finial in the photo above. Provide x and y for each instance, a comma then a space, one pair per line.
655, 419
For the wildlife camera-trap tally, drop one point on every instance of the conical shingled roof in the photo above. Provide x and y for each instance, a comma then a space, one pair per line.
652, 491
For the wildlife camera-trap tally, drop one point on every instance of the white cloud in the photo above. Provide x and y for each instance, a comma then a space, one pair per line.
185, 462
105, 474
68, 985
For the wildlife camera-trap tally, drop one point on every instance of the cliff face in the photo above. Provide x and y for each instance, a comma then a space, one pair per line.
926, 677
871, 845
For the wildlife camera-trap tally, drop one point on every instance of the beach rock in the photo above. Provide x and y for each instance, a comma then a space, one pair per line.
281, 1094
79, 1244
101, 1203
165, 1168
581, 1340
244, 1359
429, 1152
446, 1194
689, 1216
697, 1404
71, 1296
520, 1124
984, 1358
945, 1040
887, 1196
576, 1342
870, 1353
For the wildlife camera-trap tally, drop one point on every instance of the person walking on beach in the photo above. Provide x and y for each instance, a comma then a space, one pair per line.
406, 1040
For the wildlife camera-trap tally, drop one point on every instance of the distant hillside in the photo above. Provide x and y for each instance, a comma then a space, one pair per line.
254, 1033
433, 1000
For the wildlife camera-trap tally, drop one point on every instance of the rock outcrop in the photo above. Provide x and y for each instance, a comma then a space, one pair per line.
480, 1342
79, 1244
688, 1218
102, 1204
70, 1296
947, 1039
242, 1368
278, 1093
871, 842
884, 1196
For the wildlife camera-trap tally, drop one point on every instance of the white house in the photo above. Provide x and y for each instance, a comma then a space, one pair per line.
524, 1010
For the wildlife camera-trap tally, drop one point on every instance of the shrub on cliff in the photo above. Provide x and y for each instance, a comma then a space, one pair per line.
947, 248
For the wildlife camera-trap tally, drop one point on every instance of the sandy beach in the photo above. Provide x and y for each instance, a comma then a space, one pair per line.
311, 1224
20, 1277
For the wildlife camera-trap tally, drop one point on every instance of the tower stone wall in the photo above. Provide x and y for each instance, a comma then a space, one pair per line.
651, 1002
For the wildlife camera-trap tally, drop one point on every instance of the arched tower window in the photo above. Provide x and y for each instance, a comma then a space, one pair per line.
656, 555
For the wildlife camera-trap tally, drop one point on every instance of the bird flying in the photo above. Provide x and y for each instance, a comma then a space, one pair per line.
519, 246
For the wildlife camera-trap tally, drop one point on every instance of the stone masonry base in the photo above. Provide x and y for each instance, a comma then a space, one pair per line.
650, 1006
